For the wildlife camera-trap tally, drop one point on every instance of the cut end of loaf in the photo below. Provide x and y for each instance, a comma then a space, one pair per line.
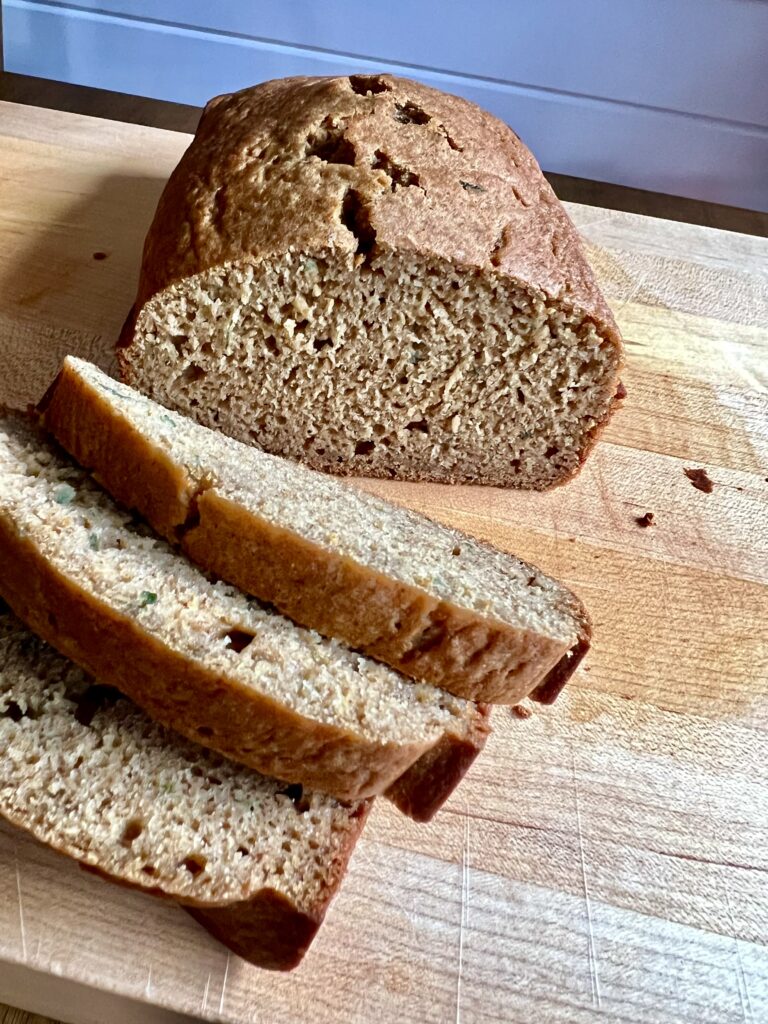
378, 364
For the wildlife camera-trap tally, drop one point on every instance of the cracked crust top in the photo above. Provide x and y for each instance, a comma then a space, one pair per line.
315, 163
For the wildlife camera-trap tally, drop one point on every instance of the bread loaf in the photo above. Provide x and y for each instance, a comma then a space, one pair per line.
375, 278
427, 600
84, 771
198, 655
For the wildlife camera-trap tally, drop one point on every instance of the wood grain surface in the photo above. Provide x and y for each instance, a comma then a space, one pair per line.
607, 858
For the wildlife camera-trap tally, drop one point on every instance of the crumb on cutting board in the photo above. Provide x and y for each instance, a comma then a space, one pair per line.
700, 480
519, 711
645, 520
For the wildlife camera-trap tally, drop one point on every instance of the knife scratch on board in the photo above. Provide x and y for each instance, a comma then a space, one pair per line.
224, 984
741, 977
204, 1004
464, 916
20, 902
595, 977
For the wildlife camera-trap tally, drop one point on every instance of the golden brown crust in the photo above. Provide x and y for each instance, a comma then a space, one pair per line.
415, 794
248, 727
139, 476
451, 647
227, 199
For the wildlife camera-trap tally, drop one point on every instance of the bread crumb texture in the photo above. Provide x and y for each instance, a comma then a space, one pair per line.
86, 772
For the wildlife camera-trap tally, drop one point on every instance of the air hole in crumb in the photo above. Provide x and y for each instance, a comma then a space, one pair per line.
364, 84
355, 218
551, 451
531, 580
515, 465
239, 639
456, 550
410, 113
243, 851
197, 771
364, 447
295, 793
179, 341
271, 345
195, 864
132, 831
92, 700
320, 343
420, 425
470, 186
193, 373
521, 396
150, 870
14, 712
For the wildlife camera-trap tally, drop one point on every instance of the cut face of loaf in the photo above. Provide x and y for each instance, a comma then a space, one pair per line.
373, 277
199, 656
84, 771
430, 601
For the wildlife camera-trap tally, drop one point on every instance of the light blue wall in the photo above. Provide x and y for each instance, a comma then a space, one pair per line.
668, 95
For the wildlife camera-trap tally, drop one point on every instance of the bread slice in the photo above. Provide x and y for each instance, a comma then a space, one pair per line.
427, 600
83, 770
198, 655
374, 277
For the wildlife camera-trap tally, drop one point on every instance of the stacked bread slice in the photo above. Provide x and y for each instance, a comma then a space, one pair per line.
85, 771
346, 658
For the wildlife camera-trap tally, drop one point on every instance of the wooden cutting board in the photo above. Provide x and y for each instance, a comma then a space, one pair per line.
607, 858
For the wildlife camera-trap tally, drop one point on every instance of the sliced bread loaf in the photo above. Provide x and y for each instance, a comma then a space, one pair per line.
83, 770
198, 655
430, 601
374, 277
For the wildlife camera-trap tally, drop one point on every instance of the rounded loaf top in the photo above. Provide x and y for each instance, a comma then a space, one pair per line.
359, 162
